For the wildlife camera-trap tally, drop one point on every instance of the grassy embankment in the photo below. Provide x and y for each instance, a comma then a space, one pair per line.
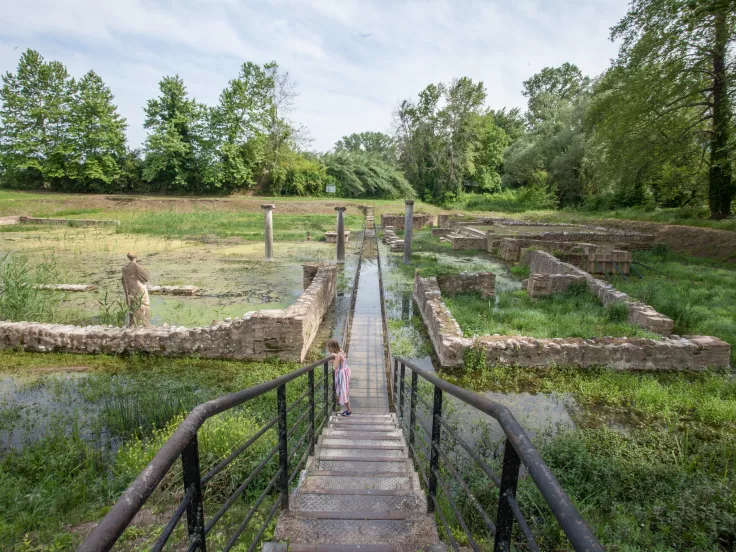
508, 204
78, 442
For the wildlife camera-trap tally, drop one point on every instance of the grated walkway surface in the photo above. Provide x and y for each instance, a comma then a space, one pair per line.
368, 389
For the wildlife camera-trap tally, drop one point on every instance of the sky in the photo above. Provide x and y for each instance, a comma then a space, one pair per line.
353, 61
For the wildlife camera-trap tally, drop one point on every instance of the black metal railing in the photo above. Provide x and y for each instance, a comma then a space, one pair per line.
200, 490
435, 446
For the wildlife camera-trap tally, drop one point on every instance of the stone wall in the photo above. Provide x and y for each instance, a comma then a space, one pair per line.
509, 249
468, 282
541, 262
544, 285
677, 353
71, 222
464, 242
258, 335
442, 232
419, 221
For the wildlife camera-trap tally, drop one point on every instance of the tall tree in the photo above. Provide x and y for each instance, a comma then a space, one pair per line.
98, 134
688, 46
35, 142
174, 144
374, 143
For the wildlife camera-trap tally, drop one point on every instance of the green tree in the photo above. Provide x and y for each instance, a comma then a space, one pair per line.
441, 140
364, 175
98, 134
35, 142
374, 143
551, 155
687, 46
511, 121
175, 142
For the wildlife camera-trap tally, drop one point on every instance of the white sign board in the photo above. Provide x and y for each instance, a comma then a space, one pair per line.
331, 189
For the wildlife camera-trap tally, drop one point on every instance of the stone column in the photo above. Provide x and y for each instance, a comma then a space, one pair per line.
268, 207
340, 234
407, 230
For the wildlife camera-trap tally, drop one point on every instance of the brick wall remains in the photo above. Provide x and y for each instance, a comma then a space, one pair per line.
677, 353
468, 282
544, 285
419, 221
509, 249
541, 262
73, 222
464, 242
258, 335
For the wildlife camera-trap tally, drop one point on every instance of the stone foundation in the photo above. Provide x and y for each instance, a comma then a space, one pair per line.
463, 242
258, 335
678, 353
544, 285
173, 290
70, 222
331, 237
468, 282
509, 249
419, 221
541, 262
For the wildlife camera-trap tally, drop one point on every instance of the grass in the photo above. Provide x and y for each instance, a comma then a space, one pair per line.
698, 294
574, 313
650, 465
248, 226
70, 469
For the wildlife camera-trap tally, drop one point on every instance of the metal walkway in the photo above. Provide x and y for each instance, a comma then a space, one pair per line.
359, 491
368, 388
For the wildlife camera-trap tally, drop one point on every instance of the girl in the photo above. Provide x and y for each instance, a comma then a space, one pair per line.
342, 376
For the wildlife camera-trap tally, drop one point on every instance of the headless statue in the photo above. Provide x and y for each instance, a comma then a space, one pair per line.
135, 277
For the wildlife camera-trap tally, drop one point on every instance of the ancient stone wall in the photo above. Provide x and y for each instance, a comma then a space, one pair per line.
509, 249
442, 232
258, 335
73, 222
464, 242
676, 353
419, 221
541, 262
544, 285
468, 282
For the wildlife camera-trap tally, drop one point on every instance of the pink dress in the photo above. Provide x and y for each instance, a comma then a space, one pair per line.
342, 380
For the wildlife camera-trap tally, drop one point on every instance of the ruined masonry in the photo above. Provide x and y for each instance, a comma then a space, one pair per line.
258, 335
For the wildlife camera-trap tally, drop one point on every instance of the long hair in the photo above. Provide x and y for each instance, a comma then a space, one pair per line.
333, 345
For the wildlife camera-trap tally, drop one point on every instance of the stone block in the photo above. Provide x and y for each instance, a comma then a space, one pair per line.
509, 249
483, 283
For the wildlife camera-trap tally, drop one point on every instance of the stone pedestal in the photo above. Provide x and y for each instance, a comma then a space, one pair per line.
408, 229
340, 234
268, 231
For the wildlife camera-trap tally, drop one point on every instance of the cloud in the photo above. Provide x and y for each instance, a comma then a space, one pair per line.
353, 60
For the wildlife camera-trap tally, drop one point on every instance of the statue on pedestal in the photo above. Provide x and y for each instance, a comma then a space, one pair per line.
135, 277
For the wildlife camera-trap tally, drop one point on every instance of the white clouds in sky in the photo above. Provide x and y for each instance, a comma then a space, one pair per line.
353, 60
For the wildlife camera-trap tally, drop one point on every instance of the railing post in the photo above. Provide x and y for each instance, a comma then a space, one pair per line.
412, 411
310, 378
283, 447
195, 509
401, 393
434, 453
395, 382
509, 480
334, 387
326, 398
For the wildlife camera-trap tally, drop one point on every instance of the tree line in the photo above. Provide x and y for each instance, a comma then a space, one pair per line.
655, 129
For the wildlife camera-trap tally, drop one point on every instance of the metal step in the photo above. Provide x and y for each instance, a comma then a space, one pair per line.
389, 465
291, 547
346, 442
342, 503
348, 481
340, 433
417, 531
362, 453
362, 427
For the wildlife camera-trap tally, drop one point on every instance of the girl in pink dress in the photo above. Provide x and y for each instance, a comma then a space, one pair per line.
342, 376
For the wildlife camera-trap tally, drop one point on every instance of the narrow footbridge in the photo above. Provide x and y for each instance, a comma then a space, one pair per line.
382, 480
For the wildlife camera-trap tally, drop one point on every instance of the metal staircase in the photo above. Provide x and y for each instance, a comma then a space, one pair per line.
359, 489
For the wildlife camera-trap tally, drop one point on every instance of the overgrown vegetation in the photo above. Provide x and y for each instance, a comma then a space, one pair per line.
20, 296
574, 313
698, 294
70, 464
650, 465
